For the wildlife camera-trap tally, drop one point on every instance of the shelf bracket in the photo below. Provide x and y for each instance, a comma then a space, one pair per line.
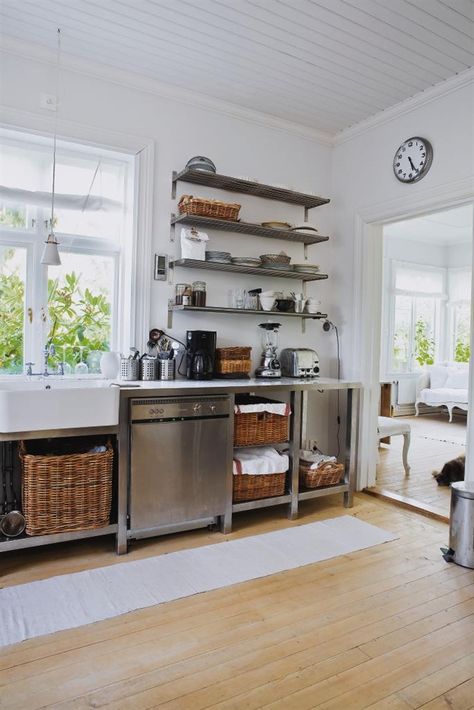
172, 229
173, 185
169, 324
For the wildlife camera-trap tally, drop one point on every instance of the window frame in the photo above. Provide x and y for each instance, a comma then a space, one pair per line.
129, 256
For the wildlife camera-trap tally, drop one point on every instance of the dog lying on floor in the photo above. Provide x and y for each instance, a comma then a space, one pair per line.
451, 472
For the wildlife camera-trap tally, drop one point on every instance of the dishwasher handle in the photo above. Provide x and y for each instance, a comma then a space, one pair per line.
144, 409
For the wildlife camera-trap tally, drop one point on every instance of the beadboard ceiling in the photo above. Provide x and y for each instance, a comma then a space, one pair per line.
325, 64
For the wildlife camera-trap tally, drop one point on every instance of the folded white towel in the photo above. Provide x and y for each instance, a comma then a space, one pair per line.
280, 408
316, 458
259, 460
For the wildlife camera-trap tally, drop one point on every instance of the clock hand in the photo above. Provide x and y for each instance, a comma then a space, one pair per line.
411, 163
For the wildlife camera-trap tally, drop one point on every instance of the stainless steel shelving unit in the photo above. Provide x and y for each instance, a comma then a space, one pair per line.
256, 230
250, 270
172, 308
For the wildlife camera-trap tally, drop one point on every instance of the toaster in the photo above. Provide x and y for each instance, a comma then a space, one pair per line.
299, 362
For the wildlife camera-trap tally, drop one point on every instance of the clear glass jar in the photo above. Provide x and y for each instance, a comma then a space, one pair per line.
199, 293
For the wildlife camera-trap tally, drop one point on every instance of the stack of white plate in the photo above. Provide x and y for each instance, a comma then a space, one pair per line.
306, 268
219, 257
246, 261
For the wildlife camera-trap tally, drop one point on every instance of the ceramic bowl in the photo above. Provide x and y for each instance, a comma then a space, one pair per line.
267, 303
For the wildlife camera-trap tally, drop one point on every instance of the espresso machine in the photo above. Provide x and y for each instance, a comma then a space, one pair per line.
200, 354
270, 365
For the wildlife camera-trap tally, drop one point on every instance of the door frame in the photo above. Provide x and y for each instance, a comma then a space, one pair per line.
367, 313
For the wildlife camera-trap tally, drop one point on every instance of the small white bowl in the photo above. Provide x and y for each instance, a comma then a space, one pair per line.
267, 303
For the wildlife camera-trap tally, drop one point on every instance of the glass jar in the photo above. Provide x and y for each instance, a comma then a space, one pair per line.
199, 293
180, 289
188, 296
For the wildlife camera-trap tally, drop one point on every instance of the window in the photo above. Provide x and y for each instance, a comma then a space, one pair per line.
417, 295
77, 304
459, 314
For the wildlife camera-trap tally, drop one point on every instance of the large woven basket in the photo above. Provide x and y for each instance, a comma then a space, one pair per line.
327, 474
66, 492
259, 428
248, 487
202, 207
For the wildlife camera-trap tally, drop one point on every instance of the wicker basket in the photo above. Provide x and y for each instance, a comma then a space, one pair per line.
327, 474
209, 208
248, 487
66, 492
259, 428
233, 360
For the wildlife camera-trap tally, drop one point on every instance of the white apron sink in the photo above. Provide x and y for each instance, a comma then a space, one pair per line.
39, 405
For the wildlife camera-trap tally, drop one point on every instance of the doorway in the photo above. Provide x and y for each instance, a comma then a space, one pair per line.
424, 353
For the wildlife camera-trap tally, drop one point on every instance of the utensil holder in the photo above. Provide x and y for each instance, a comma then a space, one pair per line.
149, 369
129, 369
167, 369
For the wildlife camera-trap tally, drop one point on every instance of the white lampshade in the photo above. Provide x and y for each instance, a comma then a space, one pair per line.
50, 252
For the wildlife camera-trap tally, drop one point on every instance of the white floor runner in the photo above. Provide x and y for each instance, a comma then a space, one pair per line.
72, 600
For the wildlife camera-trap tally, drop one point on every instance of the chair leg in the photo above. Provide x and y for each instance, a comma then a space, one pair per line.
450, 410
406, 446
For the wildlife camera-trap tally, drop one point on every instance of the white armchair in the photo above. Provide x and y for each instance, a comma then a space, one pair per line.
444, 385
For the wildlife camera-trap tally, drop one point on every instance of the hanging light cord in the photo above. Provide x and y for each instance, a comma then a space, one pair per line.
53, 185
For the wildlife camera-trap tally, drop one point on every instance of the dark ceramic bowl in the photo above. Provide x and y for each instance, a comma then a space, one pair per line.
284, 305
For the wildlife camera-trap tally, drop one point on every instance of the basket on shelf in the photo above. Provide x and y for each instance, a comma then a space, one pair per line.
329, 473
233, 360
66, 492
203, 207
258, 428
248, 487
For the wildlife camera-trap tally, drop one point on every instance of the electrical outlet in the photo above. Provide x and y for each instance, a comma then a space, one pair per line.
49, 102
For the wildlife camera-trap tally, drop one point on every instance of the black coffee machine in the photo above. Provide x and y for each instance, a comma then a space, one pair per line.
200, 354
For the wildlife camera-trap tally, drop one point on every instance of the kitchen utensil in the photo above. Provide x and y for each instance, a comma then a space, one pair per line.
13, 523
129, 369
299, 362
275, 224
167, 369
200, 162
149, 368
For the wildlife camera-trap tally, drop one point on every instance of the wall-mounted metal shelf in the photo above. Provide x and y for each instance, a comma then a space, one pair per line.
248, 228
242, 311
248, 187
251, 270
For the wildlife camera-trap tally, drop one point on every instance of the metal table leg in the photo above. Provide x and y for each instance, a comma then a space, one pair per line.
226, 519
124, 457
351, 445
295, 443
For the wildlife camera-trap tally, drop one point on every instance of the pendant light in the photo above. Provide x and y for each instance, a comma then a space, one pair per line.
50, 255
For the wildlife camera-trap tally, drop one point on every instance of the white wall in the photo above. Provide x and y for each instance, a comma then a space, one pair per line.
363, 178
459, 255
179, 130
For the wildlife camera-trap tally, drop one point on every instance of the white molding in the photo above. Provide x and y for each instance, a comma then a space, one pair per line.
415, 102
138, 82
367, 307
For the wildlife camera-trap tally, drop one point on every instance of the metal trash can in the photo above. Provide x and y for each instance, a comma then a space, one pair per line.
461, 530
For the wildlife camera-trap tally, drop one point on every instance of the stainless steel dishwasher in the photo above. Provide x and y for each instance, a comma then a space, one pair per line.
181, 457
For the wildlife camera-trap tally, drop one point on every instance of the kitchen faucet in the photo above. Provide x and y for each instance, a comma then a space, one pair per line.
49, 351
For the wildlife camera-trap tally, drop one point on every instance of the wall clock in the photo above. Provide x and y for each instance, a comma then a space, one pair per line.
413, 159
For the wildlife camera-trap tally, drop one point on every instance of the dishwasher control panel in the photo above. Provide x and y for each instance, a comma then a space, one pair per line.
144, 409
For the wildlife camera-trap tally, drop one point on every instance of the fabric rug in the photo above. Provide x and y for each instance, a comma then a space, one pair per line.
72, 600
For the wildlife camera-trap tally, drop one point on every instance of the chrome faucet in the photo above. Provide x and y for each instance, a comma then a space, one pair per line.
49, 351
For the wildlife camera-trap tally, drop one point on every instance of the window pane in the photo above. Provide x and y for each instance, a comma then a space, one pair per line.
409, 277
98, 188
81, 294
462, 332
425, 324
12, 308
12, 216
402, 347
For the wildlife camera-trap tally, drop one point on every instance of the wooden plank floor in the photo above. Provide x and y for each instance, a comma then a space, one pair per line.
387, 627
433, 442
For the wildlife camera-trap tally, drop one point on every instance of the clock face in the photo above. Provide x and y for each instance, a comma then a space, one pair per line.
413, 159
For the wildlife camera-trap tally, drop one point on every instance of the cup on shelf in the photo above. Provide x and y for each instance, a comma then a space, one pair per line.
237, 298
267, 302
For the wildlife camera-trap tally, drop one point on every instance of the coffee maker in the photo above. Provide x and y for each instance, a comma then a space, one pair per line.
200, 354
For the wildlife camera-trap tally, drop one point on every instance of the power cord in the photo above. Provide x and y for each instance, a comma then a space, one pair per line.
327, 326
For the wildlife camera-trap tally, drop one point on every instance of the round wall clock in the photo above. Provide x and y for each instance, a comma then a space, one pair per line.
413, 159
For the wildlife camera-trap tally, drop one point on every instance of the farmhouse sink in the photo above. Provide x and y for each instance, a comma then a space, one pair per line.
49, 403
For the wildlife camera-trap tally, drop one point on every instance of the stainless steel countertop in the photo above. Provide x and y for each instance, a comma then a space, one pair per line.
183, 386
